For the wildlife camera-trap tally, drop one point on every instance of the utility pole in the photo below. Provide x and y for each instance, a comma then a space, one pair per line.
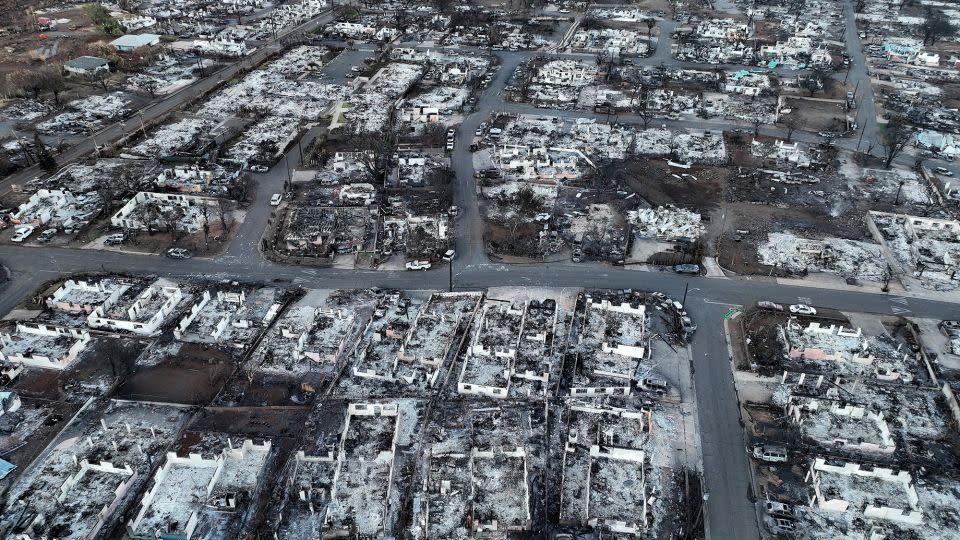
863, 129
686, 289
94, 139
450, 269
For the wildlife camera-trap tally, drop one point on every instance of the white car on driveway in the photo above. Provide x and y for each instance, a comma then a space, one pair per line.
275, 200
802, 309
22, 232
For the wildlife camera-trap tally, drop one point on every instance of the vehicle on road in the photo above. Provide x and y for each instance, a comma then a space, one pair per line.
22, 232
454, 210
275, 199
179, 253
943, 171
802, 309
419, 265
766, 304
449, 255
259, 168
687, 268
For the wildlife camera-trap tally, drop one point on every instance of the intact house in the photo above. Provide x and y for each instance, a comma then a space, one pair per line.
86, 65
132, 42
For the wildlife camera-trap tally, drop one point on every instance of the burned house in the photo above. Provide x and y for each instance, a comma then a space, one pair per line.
612, 341
327, 231
493, 349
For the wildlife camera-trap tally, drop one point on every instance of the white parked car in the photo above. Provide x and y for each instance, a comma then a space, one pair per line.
418, 265
802, 309
22, 232
114, 239
275, 200
178, 253
259, 168
449, 255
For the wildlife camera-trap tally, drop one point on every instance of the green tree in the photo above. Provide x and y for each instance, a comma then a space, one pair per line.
102, 18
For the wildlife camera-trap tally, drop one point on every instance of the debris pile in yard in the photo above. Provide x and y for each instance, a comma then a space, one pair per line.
369, 108
700, 147
926, 249
86, 114
612, 41
183, 136
666, 223
848, 258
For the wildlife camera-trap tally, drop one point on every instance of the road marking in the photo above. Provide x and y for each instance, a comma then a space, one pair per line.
899, 311
804, 300
733, 312
728, 304
899, 300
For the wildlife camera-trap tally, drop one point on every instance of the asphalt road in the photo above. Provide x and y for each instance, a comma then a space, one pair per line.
866, 112
469, 241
